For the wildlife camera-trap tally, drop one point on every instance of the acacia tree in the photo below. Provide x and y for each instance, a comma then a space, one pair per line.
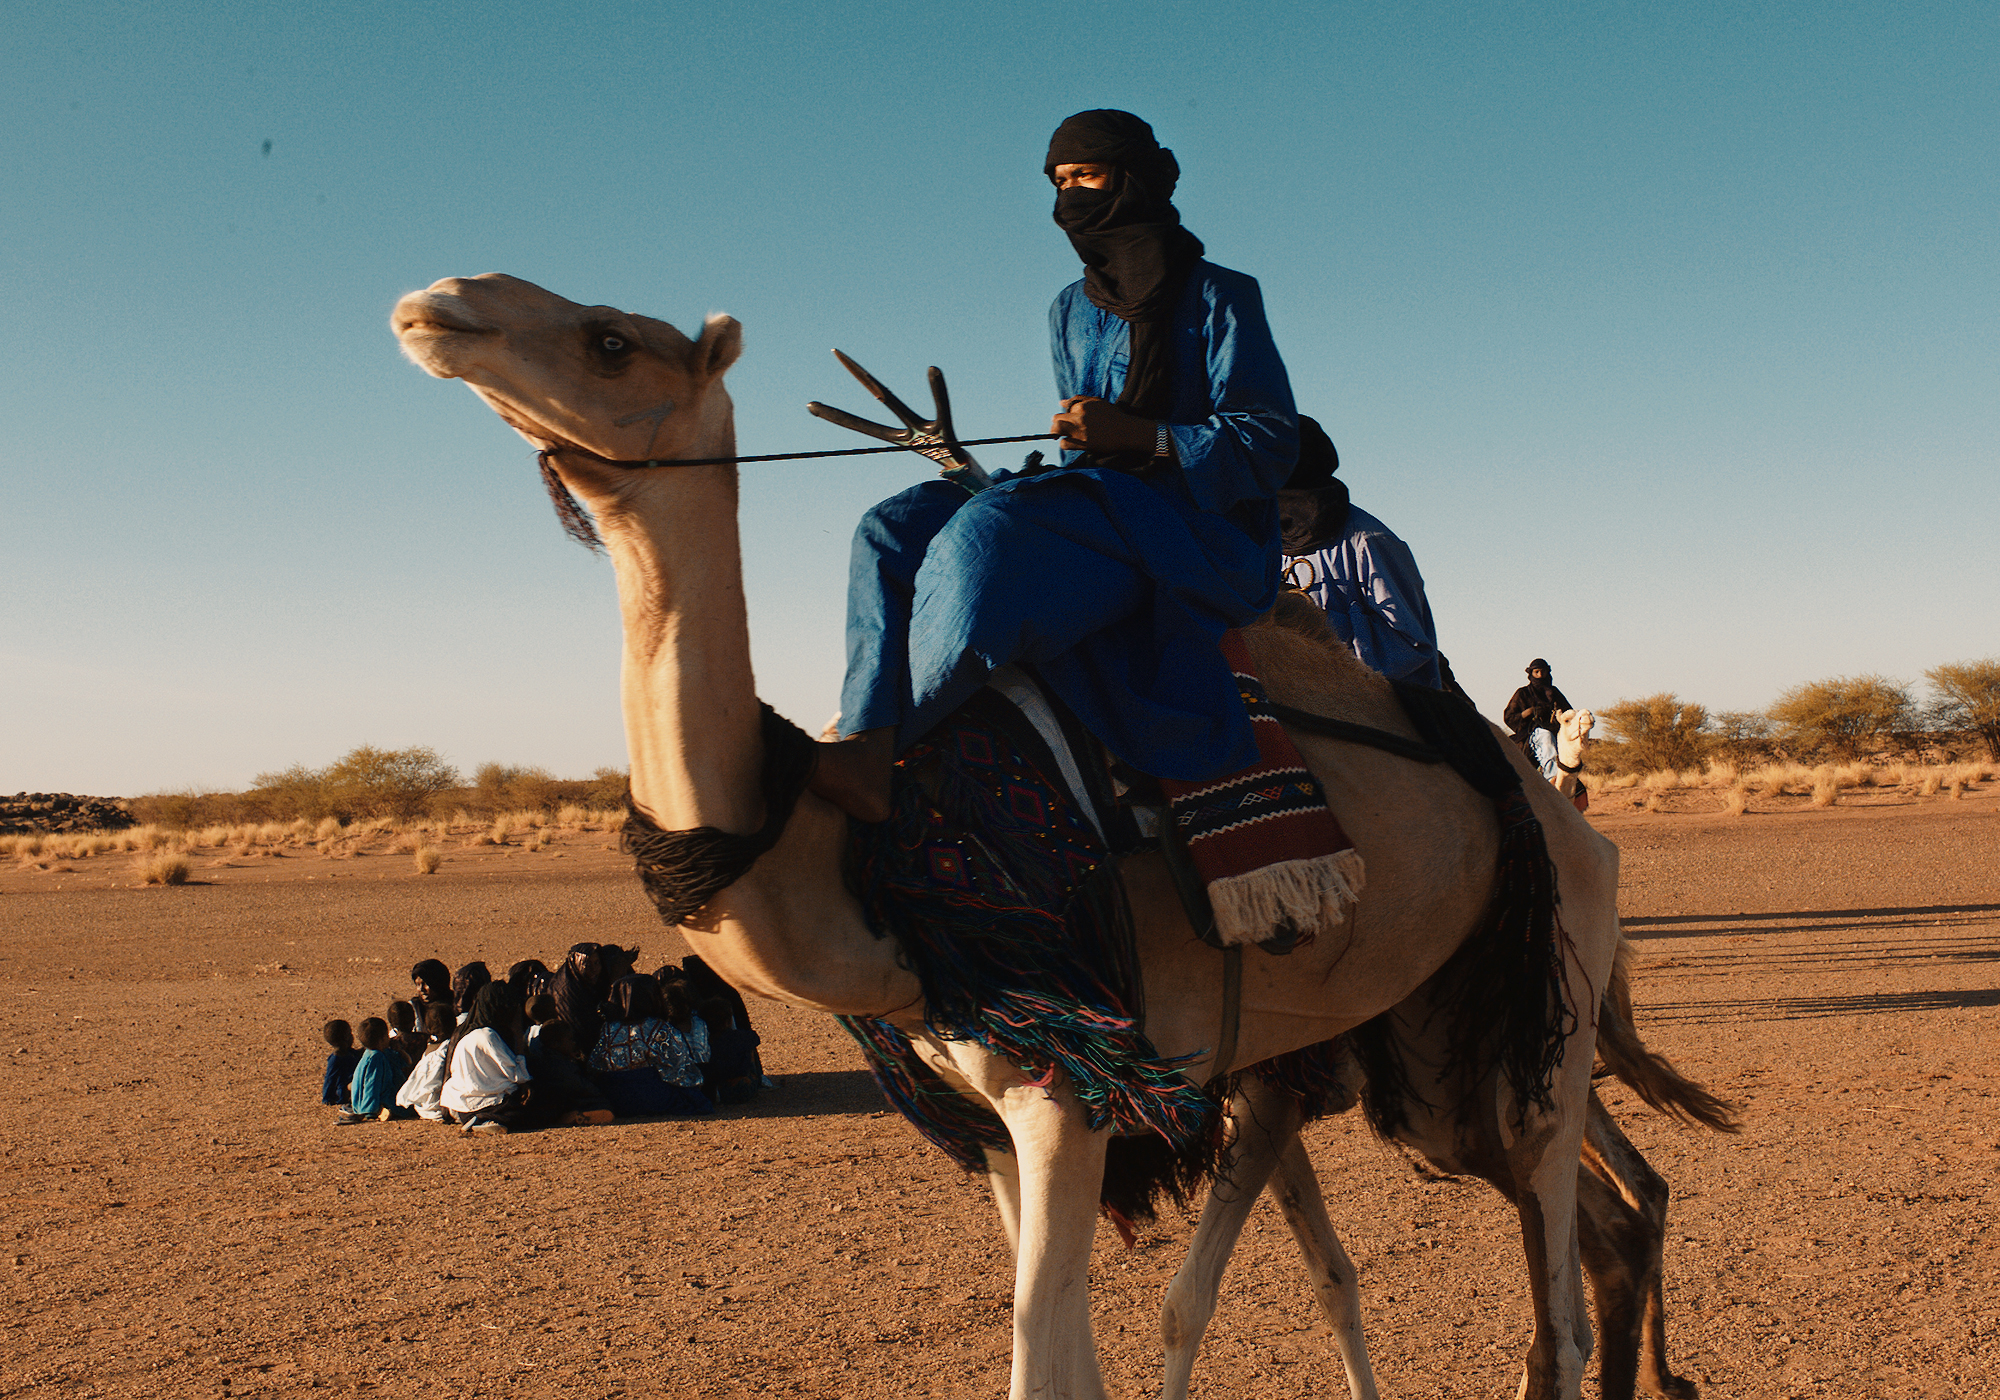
1969, 698
1841, 715
1659, 731
372, 782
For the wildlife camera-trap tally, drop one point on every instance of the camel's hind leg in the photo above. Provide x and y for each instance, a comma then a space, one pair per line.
1335, 1283
1266, 1123
1623, 1232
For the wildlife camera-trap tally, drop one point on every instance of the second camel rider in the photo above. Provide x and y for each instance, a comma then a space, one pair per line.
1115, 574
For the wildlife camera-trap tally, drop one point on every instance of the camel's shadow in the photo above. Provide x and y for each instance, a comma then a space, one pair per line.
813, 1094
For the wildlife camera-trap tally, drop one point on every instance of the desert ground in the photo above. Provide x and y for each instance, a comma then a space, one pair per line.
184, 1219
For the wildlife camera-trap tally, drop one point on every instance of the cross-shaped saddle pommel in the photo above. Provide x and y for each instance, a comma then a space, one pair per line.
935, 439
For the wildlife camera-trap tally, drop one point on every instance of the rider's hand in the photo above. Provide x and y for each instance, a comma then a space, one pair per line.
1092, 425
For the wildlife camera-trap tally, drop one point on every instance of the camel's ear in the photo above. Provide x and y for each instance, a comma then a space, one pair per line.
721, 342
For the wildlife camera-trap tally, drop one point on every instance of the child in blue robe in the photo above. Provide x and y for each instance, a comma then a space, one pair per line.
339, 1065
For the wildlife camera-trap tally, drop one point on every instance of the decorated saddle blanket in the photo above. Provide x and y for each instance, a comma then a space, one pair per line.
1006, 900
1278, 868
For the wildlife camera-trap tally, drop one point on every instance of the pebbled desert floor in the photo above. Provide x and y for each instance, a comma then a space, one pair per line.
182, 1218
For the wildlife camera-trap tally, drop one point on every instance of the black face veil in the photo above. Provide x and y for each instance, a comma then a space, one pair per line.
1136, 255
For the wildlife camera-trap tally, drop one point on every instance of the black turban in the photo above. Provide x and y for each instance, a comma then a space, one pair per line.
1318, 460
1136, 256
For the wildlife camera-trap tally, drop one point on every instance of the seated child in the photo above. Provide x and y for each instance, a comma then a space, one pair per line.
340, 1064
643, 1063
542, 1012
564, 1091
380, 1072
486, 1076
404, 1033
733, 1073
426, 1082
706, 983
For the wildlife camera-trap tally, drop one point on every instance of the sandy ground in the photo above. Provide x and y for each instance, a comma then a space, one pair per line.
182, 1218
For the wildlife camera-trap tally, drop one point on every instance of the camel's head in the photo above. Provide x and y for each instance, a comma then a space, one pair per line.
621, 386
1573, 733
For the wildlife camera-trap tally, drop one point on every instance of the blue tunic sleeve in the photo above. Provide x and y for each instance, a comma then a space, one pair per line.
1235, 429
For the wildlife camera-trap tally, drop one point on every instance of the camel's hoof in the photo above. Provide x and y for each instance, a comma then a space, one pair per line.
1675, 1388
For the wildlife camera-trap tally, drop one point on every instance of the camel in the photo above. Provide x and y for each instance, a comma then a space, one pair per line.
594, 389
1621, 1200
1572, 743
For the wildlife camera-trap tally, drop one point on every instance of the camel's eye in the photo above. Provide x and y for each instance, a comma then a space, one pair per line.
611, 344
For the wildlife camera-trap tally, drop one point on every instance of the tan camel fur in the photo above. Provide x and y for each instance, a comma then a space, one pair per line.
1621, 1202
622, 387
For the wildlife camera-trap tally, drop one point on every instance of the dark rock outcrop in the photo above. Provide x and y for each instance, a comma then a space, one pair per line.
27, 812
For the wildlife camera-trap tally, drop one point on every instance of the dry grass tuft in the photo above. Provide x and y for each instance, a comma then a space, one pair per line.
165, 869
1826, 788
1736, 801
1721, 773
427, 859
407, 841
1932, 780
1653, 803
328, 827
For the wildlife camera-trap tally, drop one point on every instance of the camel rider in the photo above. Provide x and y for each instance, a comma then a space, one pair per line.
1362, 576
1531, 716
1114, 574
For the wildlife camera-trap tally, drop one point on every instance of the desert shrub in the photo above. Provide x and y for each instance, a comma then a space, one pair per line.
1721, 773
1735, 802
609, 789
1744, 735
1825, 789
165, 868
1968, 698
1841, 716
427, 859
328, 828
1659, 731
365, 782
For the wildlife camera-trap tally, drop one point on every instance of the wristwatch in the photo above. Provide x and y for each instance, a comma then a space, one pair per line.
1163, 442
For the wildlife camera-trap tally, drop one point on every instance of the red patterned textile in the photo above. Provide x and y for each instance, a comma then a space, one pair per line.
1276, 863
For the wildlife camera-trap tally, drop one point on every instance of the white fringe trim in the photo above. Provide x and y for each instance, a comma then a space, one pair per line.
1314, 896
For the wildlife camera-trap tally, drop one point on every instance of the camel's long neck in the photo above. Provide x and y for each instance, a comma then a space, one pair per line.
689, 697
789, 929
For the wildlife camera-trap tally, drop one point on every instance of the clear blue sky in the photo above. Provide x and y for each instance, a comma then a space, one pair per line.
1665, 333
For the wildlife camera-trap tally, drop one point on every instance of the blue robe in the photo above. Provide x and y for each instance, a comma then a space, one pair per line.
1114, 588
1366, 580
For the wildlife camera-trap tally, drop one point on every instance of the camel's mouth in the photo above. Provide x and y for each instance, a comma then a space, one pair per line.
430, 315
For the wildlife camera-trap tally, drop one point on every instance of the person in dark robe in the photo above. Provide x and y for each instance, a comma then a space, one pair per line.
529, 978
1115, 573
465, 985
1531, 716
430, 985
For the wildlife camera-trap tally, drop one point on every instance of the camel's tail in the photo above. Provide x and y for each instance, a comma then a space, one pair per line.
1649, 1075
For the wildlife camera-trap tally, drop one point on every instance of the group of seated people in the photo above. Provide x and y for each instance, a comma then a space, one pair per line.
586, 1043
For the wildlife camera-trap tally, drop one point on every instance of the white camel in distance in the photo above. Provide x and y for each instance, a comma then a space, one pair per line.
599, 386
1572, 743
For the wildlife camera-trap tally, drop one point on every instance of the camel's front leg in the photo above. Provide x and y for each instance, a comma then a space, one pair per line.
1061, 1179
1003, 1174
